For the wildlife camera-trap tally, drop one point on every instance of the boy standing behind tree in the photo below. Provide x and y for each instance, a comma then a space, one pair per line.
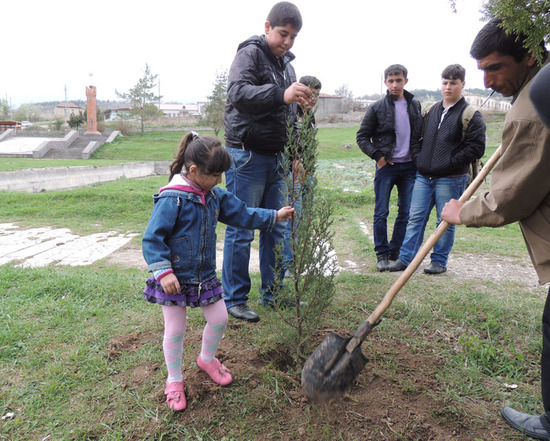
390, 129
262, 93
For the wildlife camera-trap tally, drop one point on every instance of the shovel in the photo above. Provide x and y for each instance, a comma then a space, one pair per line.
337, 360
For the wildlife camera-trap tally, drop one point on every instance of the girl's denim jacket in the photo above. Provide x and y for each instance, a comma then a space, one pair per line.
181, 233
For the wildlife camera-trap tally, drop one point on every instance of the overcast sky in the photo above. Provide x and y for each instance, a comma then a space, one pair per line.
58, 44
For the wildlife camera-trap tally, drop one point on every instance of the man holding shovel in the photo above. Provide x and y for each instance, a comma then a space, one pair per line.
520, 187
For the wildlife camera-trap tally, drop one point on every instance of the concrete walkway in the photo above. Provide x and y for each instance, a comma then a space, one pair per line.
37, 247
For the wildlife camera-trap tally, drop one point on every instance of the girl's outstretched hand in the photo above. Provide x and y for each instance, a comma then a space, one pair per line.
285, 213
170, 284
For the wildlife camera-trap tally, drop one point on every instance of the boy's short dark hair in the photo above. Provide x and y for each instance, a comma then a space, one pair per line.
311, 82
395, 69
493, 38
454, 72
285, 13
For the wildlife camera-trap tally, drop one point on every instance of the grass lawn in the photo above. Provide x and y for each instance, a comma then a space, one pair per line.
81, 356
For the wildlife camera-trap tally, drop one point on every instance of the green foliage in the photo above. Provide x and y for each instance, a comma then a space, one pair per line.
530, 18
75, 121
57, 123
142, 99
214, 110
29, 112
4, 109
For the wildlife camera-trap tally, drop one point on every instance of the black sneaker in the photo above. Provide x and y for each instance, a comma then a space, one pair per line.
383, 263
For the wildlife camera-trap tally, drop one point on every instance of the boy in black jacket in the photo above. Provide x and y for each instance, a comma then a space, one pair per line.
390, 129
442, 165
262, 95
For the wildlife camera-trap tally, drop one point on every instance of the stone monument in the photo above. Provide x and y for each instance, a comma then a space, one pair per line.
91, 111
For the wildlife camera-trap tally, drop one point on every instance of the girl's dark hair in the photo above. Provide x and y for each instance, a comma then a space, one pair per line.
285, 13
206, 152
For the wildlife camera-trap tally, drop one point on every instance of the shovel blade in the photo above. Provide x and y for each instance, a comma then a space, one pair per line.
331, 369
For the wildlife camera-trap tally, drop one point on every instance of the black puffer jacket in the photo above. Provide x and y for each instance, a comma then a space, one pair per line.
255, 113
443, 153
376, 135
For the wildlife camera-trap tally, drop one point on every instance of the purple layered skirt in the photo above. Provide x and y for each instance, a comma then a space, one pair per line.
210, 291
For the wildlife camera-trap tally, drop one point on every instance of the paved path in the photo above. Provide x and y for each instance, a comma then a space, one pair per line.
38, 247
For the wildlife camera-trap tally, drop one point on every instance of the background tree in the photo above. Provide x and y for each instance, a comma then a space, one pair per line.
4, 109
27, 112
142, 99
214, 110
57, 123
530, 17
75, 121
347, 98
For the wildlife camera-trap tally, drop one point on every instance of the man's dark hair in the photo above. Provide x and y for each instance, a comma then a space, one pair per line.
310, 81
395, 69
454, 72
493, 38
285, 13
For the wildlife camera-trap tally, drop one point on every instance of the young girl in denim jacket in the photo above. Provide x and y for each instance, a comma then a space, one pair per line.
179, 246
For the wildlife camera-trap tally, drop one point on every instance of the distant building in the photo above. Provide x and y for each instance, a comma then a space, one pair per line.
172, 110
65, 110
169, 110
117, 113
328, 105
495, 104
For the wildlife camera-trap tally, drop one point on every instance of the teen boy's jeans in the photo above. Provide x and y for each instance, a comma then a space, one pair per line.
258, 181
428, 192
400, 175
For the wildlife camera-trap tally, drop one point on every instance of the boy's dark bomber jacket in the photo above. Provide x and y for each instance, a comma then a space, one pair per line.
442, 152
376, 135
255, 113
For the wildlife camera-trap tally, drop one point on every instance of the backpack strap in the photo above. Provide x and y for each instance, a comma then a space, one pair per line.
467, 115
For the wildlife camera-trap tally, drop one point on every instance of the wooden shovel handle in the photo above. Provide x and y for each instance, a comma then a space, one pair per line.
363, 330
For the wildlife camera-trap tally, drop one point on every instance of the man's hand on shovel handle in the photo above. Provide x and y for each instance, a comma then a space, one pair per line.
451, 212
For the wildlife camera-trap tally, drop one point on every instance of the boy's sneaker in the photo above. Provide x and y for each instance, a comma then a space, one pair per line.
217, 371
175, 396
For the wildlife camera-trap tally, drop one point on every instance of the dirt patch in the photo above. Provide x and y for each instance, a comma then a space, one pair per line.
379, 406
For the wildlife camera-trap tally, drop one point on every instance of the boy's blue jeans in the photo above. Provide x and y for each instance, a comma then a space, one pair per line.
400, 175
427, 193
258, 181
